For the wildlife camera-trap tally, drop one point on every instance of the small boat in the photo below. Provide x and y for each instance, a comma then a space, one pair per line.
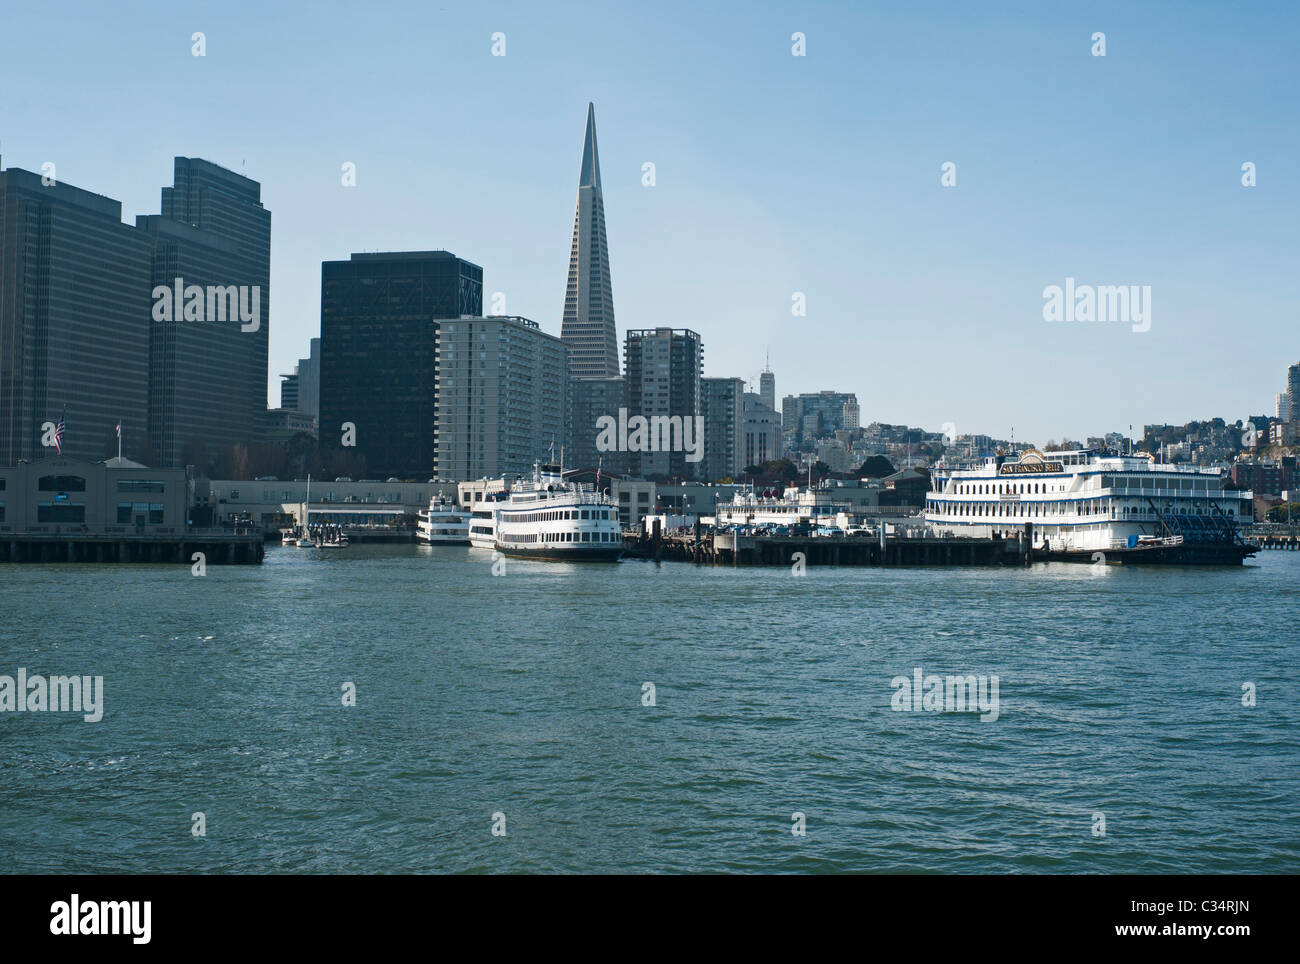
443, 524
304, 540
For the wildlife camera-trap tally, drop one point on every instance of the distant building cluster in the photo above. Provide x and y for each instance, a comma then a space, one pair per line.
149, 342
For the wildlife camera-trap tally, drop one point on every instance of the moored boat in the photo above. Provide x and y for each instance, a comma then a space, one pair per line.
443, 523
549, 518
1079, 506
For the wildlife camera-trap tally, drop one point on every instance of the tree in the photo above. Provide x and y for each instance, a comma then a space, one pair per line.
876, 467
774, 470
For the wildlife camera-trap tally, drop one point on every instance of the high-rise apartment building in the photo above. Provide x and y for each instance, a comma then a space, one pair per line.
590, 400
664, 367
723, 407
502, 397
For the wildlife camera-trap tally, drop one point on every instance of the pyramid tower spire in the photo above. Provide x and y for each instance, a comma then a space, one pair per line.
590, 176
588, 325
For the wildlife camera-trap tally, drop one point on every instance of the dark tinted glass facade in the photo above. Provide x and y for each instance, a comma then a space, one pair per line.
207, 379
379, 359
74, 320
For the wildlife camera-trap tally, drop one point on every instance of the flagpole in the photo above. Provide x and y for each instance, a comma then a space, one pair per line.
119, 438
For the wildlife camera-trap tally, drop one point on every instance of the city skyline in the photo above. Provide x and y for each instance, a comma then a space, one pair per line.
1050, 185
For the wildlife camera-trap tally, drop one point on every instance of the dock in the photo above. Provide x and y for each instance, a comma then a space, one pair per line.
731, 549
1269, 536
219, 547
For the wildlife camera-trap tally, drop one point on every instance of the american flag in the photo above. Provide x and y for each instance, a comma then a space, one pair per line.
58, 432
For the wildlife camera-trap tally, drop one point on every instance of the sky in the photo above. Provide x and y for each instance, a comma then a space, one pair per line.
774, 174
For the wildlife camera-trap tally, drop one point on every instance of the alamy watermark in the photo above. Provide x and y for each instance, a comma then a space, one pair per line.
658, 433
946, 694
182, 302
57, 694
1127, 304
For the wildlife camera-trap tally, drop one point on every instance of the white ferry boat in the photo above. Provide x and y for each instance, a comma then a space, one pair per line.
1077, 503
549, 518
795, 506
483, 524
442, 524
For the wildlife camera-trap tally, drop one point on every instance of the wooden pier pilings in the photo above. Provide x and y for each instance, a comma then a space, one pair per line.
729, 549
218, 548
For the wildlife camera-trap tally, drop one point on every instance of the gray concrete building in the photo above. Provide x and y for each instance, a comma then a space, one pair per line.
664, 367
300, 389
723, 404
502, 397
591, 399
761, 432
62, 495
767, 388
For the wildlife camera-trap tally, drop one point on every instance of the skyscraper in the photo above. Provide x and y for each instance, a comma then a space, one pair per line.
590, 399
207, 375
723, 406
501, 397
587, 326
762, 432
663, 380
74, 321
767, 388
300, 391
379, 362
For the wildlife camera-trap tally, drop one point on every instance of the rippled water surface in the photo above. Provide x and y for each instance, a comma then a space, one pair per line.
1120, 693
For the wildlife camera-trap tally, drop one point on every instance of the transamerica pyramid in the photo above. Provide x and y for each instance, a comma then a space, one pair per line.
588, 323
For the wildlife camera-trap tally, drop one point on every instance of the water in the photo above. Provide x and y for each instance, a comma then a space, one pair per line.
1120, 693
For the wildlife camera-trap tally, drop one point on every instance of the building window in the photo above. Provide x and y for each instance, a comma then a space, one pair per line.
61, 512
139, 485
61, 483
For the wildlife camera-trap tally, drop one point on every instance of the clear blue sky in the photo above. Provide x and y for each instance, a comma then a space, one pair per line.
775, 174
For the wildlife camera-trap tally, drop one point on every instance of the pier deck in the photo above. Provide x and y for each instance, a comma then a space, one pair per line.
219, 547
729, 549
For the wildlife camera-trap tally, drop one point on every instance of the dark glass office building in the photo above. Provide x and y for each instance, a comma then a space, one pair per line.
207, 378
74, 321
379, 357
